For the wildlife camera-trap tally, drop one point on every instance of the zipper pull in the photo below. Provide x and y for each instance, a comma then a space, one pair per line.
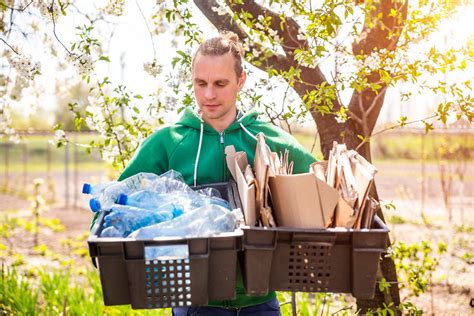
221, 134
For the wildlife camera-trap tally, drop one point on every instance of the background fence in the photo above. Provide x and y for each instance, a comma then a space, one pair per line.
446, 151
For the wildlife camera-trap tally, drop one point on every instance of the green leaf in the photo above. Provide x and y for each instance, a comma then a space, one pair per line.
402, 121
428, 126
104, 58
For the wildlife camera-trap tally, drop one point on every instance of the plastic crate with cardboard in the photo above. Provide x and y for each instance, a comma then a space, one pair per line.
314, 238
127, 277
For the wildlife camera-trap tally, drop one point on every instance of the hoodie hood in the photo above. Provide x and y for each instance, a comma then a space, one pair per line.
192, 119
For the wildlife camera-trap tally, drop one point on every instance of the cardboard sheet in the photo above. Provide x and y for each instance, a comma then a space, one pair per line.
246, 183
302, 200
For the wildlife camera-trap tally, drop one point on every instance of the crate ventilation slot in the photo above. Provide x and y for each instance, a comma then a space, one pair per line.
309, 268
168, 283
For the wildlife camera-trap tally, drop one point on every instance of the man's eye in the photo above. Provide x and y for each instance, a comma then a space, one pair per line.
220, 84
201, 84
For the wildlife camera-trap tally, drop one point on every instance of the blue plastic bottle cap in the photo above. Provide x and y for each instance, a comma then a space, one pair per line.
86, 188
94, 205
122, 199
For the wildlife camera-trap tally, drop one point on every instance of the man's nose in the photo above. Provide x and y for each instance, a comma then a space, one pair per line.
210, 93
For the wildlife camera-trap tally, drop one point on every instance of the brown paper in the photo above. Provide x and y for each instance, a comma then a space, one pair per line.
302, 200
345, 215
238, 165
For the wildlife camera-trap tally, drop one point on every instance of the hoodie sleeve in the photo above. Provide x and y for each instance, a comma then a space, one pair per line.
278, 140
151, 156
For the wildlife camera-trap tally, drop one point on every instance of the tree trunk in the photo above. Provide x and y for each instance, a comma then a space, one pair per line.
364, 107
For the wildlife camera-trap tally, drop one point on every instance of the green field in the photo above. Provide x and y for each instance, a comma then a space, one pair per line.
35, 153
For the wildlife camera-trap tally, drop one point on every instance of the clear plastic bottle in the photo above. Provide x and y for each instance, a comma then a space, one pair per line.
188, 200
200, 222
105, 196
126, 219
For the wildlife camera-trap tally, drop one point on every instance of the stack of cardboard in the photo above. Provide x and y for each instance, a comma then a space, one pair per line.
332, 194
352, 176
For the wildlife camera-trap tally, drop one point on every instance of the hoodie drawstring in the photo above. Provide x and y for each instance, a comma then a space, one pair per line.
247, 131
196, 163
198, 154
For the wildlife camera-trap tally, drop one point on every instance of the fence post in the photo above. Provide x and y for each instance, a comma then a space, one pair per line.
66, 174
24, 159
7, 164
76, 180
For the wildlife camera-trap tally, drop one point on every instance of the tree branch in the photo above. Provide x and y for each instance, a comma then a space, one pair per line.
148, 28
51, 11
20, 9
371, 39
287, 29
367, 139
9, 46
225, 22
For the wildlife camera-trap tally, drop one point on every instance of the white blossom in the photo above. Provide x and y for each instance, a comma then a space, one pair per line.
258, 26
372, 61
300, 37
153, 68
121, 133
114, 7
272, 33
220, 10
95, 119
24, 66
20, 84
59, 136
48, 8
184, 75
84, 64
255, 53
110, 152
170, 102
340, 119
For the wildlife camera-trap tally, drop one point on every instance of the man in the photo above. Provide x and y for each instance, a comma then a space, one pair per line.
195, 146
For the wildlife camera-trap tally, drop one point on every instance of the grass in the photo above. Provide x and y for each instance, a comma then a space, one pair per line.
76, 291
32, 153
57, 291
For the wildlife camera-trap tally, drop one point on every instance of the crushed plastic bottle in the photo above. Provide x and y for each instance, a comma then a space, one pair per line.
96, 190
126, 219
187, 200
167, 252
106, 196
200, 222
110, 231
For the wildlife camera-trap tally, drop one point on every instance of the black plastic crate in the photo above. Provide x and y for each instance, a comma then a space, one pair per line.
312, 260
128, 278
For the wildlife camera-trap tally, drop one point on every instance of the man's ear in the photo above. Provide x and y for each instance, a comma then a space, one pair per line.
242, 79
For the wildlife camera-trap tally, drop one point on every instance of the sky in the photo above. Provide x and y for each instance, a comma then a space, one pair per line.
130, 47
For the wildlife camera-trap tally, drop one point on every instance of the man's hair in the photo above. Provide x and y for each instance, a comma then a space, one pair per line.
227, 42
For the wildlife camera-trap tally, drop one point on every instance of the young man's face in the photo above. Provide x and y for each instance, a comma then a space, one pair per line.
216, 86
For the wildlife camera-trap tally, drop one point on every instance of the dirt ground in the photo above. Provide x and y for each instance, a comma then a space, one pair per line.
399, 183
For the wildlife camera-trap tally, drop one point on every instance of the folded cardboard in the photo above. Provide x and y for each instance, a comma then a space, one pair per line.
264, 166
302, 200
246, 183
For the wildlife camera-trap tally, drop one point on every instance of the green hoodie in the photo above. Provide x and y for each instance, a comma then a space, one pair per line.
196, 150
